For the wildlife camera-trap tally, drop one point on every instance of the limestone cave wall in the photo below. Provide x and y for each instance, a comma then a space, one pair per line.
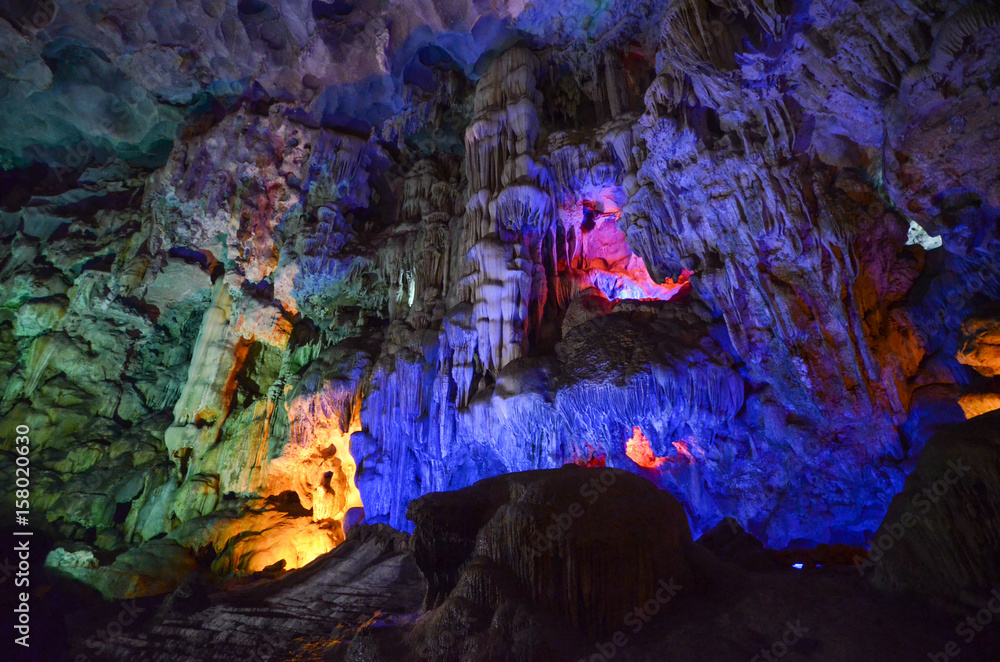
271, 268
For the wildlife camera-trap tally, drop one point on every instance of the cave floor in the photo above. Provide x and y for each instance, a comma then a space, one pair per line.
731, 613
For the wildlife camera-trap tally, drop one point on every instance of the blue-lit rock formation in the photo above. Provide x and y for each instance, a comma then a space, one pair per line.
270, 267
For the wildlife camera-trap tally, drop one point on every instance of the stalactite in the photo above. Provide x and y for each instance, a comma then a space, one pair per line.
967, 21
204, 402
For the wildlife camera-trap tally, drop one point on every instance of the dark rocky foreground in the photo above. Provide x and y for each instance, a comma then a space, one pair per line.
265, 618
593, 564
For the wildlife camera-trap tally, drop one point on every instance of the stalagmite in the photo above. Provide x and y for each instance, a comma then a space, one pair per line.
580, 573
271, 270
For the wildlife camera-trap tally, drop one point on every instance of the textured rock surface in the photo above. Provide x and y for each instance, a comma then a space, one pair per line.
371, 572
585, 544
942, 532
269, 267
733, 609
150, 569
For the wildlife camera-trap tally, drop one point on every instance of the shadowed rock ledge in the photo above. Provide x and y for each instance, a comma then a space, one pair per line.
725, 598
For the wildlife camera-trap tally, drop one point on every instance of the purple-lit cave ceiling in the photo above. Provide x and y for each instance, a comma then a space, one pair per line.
271, 268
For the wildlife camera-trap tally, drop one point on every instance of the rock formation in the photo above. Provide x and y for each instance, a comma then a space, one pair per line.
940, 536
564, 537
371, 571
491, 543
271, 269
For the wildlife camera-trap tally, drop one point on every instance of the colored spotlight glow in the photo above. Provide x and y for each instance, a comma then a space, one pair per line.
608, 263
638, 450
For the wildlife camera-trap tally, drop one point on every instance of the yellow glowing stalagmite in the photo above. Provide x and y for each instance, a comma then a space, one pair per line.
226, 445
317, 463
